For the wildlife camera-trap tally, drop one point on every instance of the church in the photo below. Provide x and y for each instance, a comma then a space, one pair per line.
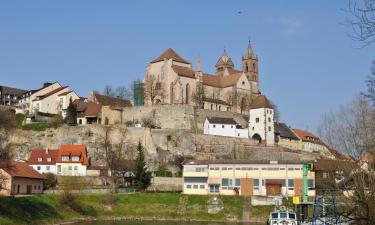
170, 79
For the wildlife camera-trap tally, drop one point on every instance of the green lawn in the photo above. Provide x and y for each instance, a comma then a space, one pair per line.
46, 208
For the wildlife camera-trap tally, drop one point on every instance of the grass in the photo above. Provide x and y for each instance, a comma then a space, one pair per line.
36, 126
46, 209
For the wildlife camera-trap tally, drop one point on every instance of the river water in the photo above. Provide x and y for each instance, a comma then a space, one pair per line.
157, 223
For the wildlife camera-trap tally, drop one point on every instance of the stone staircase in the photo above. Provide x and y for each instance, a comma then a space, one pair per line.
182, 205
246, 209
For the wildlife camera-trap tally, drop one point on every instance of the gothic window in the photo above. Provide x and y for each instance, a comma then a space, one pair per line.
212, 106
158, 86
254, 67
187, 93
246, 68
219, 107
171, 93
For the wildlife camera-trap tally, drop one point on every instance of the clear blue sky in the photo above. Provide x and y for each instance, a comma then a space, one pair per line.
308, 65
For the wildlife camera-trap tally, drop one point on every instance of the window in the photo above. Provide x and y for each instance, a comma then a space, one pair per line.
238, 168
292, 216
70, 168
49, 159
202, 186
283, 215
212, 168
263, 183
269, 128
47, 167
256, 184
40, 159
310, 183
290, 184
38, 167
188, 186
75, 167
226, 183
283, 183
75, 158
325, 175
214, 188
290, 169
200, 169
282, 168
212, 106
253, 128
237, 183
64, 158
275, 215
59, 168
269, 119
195, 186
224, 168
219, 107
214, 125
257, 120
222, 126
243, 82
231, 126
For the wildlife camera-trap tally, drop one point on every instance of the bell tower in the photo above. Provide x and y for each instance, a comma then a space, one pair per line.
250, 64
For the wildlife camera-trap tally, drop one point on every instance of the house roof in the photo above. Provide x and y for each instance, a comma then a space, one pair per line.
20, 169
207, 162
221, 120
73, 150
221, 81
260, 102
224, 60
333, 165
284, 131
52, 92
12, 91
183, 71
88, 109
65, 93
306, 135
111, 101
44, 154
170, 54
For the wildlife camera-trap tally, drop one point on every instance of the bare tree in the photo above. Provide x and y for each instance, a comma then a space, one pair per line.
111, 151
108, 91
123, 92
276, 112
370, 83
351, 129
199, 95
153, 89
362, 20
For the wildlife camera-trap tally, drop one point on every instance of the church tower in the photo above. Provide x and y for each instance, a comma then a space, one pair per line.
250, 64
224, 63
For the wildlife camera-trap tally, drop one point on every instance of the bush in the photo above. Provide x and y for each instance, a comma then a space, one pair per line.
56, 121
46, 114
36, 126
19, 119
50, 181
68, 200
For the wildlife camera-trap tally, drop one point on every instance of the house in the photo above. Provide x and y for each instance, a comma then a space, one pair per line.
261, 121
10, 96
224, 127
330, 173
43, 160
246, 178
285, 137
19, 178
111, 108
88, 112
52, 98
176, 82
310, 142
72, 160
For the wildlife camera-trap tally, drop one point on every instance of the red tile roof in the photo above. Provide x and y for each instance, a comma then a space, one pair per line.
73, 150
92, 109
221, 81
183, 71
170, 54
260, 102
111, 101
20, 169
44, 154
305, 135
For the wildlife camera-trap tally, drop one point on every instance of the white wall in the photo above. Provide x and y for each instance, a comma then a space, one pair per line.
45, 168
242, 133
71, 169
228, 130
265, 125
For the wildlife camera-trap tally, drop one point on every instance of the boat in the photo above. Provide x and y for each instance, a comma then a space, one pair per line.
282, 217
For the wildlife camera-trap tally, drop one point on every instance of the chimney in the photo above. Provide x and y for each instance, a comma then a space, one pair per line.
46, 84
46, 150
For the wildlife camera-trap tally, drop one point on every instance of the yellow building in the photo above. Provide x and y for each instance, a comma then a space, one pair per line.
246, 177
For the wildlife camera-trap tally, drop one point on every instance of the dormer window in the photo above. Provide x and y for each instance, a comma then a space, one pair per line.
49, 159
75, 158
64, 158
40, 159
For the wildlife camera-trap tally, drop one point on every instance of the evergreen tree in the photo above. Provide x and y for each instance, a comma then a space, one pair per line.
142, 176
71, 114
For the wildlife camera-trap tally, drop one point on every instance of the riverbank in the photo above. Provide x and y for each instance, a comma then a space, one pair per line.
46, 209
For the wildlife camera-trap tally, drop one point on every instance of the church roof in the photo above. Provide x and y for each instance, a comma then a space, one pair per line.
260, 102
221, 81
225, 60
170, 54
183, 71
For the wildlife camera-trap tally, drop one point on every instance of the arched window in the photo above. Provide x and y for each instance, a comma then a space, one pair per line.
212, 106
219, 107
246, 68
254, 67
171, 93
187, 93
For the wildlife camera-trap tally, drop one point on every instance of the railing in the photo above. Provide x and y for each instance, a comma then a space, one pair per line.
127, 190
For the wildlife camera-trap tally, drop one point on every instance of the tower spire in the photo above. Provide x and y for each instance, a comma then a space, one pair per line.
198, 66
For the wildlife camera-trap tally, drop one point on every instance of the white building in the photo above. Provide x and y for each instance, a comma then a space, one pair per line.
261, 121
43, 160
72, 160
224, 127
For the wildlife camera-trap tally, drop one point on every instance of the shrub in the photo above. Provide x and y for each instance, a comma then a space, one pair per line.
36, 126
19, 119
46, 114
56, 121
50, 181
